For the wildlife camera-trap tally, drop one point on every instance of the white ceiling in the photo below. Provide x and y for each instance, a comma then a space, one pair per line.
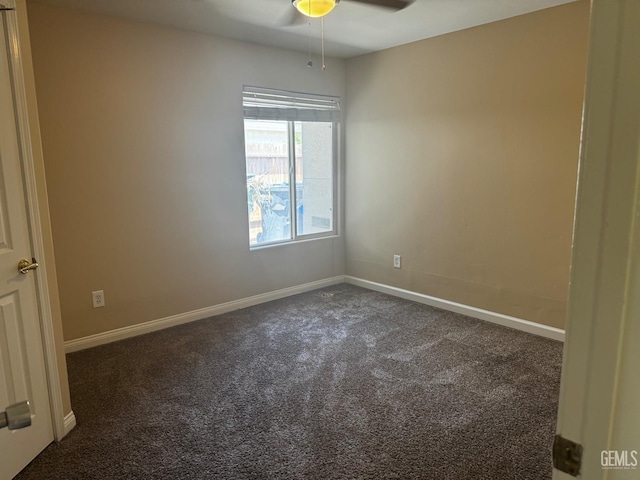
351, 29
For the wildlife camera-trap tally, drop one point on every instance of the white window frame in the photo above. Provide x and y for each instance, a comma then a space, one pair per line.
295, 107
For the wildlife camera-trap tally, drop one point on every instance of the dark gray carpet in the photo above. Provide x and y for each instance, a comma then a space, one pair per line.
339, 383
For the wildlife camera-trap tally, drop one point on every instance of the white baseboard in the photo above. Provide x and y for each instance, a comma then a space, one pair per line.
486, 315
69, 423
154, 325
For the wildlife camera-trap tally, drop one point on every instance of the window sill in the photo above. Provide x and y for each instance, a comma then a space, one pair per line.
293, 242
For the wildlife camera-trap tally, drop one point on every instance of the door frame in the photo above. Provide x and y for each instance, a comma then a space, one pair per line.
33, 218
603, 297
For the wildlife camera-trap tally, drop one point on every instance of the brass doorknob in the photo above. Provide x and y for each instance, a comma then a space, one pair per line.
25, 265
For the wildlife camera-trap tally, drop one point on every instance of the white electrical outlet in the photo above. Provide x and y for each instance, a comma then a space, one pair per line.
98, 298
396, 261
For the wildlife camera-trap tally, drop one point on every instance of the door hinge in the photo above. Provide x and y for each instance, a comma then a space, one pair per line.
567, 456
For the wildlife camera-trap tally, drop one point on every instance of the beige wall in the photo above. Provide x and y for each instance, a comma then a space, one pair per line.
43, 206
461, 155
142, 138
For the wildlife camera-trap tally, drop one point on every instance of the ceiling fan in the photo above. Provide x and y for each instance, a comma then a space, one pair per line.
303, 9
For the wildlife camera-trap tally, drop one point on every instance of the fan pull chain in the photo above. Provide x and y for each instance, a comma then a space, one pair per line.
309, 63
324, 67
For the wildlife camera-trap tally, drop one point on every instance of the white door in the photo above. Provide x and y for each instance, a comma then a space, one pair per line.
600, 393
22, 367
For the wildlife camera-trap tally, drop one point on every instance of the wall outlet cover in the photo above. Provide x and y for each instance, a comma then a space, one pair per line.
98, 298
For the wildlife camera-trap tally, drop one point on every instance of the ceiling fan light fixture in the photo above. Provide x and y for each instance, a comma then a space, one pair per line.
314, 8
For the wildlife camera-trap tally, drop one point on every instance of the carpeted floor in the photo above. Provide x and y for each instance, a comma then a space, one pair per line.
339, 383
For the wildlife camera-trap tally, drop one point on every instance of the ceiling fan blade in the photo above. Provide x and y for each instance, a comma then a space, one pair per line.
391, 4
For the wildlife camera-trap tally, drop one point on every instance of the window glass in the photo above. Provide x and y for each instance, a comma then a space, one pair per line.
267, 156
314, 177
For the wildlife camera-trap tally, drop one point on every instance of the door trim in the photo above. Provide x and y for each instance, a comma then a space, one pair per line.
602, 301
33, 217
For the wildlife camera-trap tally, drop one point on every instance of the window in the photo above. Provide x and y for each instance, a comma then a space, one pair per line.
290, 151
